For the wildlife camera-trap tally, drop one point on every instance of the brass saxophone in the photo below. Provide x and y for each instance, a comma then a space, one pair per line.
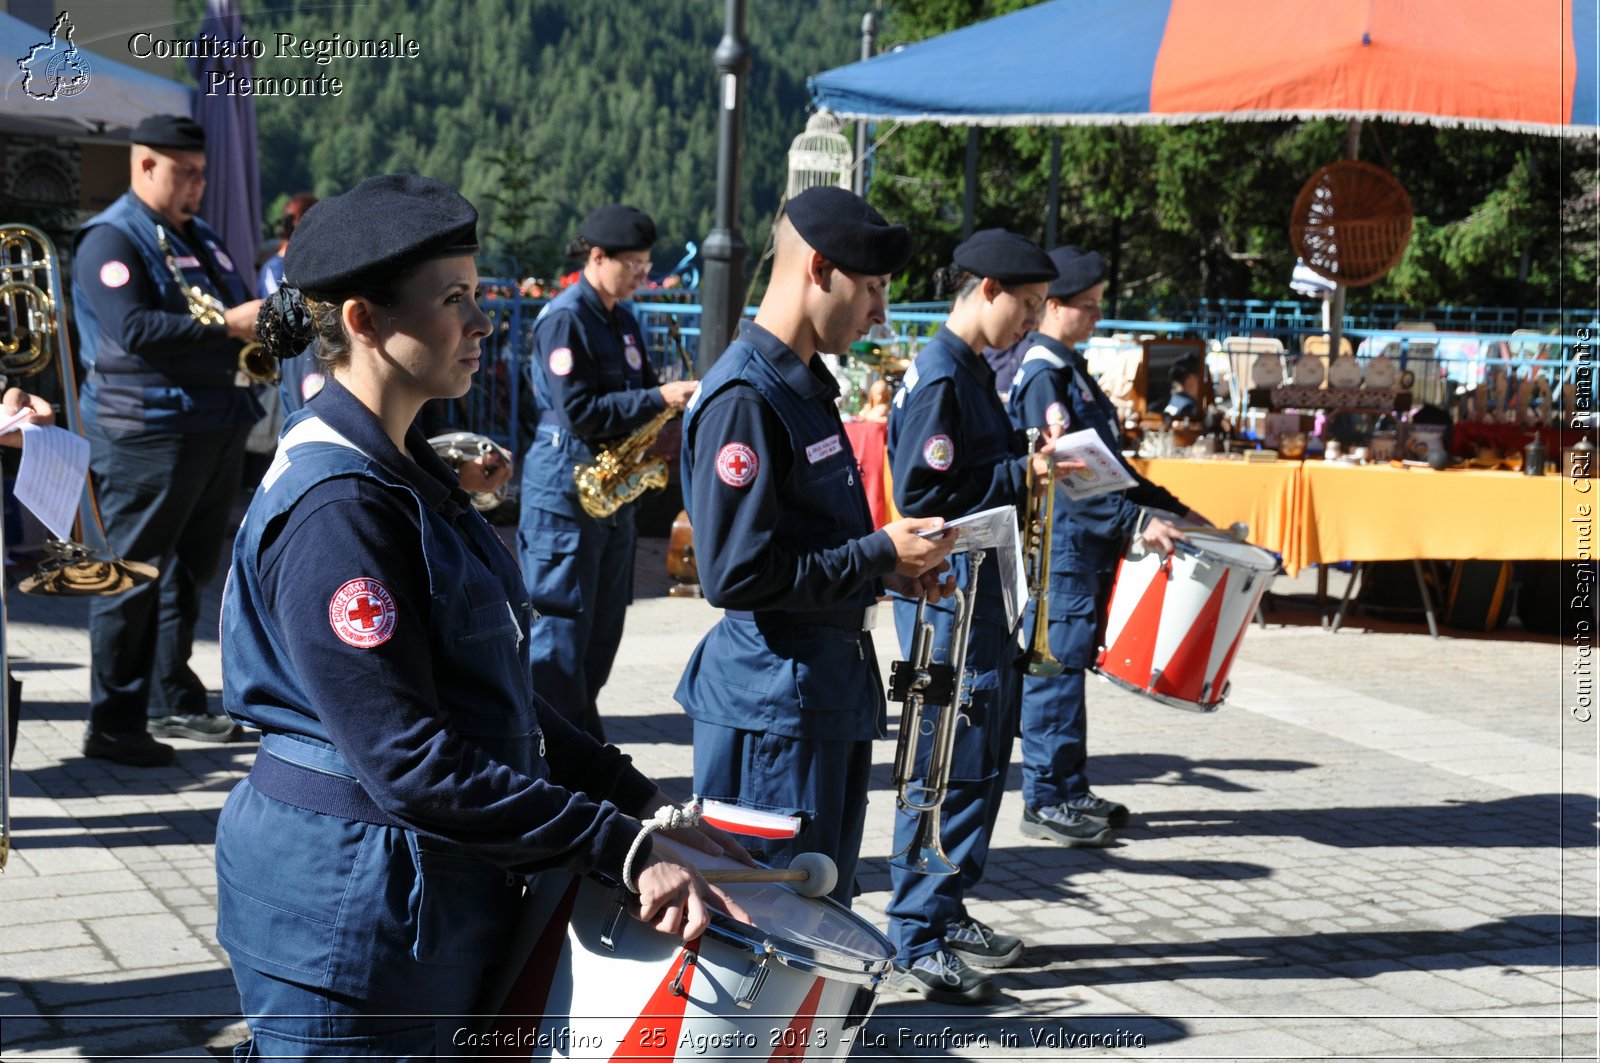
621, 473
255, 364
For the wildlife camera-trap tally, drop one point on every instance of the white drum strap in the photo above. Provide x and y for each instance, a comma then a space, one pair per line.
667, 817
310, 430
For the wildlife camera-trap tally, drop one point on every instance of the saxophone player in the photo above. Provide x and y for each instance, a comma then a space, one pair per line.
784, 690
593, 383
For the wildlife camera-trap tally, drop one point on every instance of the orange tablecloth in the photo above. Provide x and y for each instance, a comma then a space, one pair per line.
870, 441
1381, 513
1319, 512
1264, 496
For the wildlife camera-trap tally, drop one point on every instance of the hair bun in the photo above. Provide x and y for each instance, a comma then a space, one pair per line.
284, 324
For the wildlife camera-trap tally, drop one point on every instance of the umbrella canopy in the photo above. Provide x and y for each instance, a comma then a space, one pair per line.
1493, 64
51, 87
232, 201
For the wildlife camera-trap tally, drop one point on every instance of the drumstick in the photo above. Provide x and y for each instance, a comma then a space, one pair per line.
1237, 531
813, 874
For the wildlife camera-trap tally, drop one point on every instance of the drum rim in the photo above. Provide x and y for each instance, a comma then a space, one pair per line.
1165, 699
840, 966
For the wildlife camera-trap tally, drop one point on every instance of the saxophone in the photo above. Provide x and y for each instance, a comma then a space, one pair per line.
620, 474
255, 365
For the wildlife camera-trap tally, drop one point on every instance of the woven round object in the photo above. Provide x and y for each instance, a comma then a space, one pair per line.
1351, 222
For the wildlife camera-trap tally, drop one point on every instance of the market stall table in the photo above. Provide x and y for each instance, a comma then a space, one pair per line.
1261, 494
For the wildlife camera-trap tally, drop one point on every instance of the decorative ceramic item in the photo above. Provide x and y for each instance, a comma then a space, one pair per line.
1308, 371
1382, 373
1266, 371
1345, 372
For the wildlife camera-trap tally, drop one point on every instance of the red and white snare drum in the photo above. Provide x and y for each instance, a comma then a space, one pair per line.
598, 984
1175, 623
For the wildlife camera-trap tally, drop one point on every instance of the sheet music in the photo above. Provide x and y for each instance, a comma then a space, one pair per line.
55, 468
996, 529
1103, 471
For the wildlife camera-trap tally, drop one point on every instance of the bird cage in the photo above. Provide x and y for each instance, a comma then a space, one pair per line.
820, 156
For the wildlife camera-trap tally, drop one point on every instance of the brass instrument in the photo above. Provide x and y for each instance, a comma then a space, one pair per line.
1038, 527
28, 272
255, 364
919, 684
458, 448
621, 473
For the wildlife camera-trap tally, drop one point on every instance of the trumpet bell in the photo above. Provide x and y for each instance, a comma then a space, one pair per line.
925, 854
72, 570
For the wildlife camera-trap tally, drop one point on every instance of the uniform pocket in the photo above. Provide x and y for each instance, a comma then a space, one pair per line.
463, 907
551, 546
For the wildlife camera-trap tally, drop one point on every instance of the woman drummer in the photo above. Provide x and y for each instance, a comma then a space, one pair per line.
370, 866
954, 452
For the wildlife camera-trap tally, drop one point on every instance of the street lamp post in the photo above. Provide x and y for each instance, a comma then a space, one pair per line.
724, 248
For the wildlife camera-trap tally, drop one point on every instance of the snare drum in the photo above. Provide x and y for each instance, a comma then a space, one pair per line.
1175, 622
596, 983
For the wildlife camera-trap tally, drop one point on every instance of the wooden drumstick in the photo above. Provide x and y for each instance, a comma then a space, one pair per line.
813, 874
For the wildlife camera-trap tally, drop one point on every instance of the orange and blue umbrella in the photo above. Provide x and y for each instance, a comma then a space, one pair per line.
1525, 65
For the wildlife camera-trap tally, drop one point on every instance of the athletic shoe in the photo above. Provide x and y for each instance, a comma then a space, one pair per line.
1093, 806
981, 945
197, 727
1058, 823
942, 978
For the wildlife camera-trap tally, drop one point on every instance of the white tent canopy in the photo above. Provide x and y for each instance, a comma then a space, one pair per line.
113, 97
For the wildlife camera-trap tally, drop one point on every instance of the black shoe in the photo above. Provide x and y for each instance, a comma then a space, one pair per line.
199, 727
1060, 824
981, 945
138, 750
1093, 806
943, 979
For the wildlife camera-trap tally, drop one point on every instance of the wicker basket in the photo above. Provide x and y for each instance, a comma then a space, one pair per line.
1351, 222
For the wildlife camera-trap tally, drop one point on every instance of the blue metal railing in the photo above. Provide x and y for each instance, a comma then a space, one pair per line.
499, 403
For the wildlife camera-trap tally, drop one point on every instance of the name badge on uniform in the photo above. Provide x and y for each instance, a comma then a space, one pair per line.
186, 262
825, 448
630, 352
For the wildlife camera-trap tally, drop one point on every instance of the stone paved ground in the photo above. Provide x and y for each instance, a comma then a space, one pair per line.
1382, 846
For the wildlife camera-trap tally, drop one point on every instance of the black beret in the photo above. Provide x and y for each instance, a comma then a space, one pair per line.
619, 228
175, 131
1080, 270
841, 227
1006, 257
378, 228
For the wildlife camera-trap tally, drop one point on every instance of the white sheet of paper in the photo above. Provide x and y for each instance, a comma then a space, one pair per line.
55, 468
8, 423
1103, 471
996, 529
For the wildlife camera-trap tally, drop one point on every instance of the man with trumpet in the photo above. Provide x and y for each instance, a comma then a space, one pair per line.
1052, 392
163, 318
784, 691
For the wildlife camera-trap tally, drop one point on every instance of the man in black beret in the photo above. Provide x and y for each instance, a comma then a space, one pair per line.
593, 386
1055, 393
166, 412
784, 690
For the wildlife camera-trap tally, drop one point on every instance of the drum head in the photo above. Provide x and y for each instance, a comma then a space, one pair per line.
811, 930
1236, 554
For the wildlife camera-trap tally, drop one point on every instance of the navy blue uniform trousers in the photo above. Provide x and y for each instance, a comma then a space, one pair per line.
166, 499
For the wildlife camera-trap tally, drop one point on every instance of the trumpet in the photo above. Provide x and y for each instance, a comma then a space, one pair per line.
255, 364
919, 684
1038, 527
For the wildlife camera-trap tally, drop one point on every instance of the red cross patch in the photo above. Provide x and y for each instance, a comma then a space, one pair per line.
362, 613
939, 452
737, 465
114, 274
1056, 413
561, 361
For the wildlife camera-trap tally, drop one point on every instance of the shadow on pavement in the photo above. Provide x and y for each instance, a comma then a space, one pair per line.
1533, 940
128, 1018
